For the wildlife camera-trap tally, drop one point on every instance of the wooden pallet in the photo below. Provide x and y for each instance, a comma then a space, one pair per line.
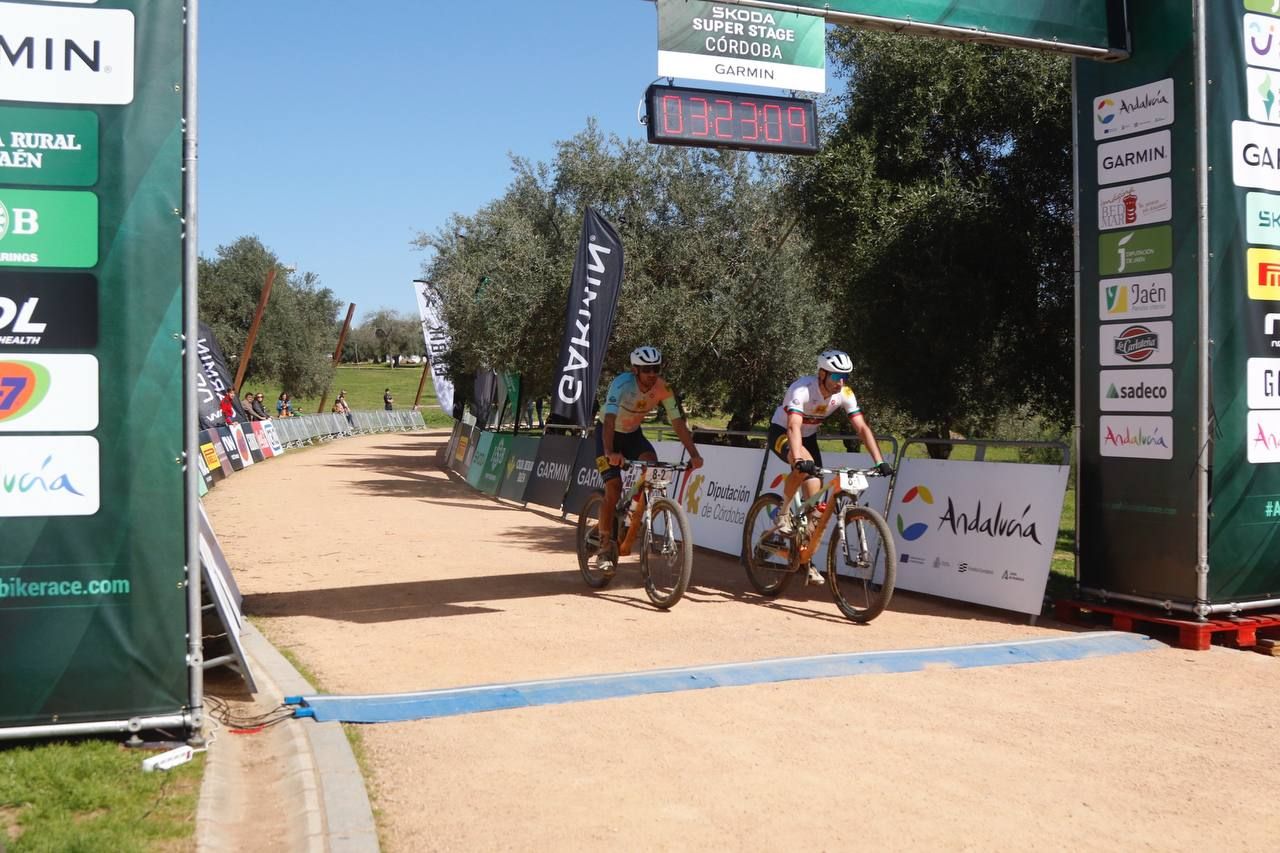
1239, 631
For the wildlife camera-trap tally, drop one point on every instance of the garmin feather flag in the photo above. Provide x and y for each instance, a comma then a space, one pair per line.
593, 298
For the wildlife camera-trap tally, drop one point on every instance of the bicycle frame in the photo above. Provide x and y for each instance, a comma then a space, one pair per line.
837, 499
639, 514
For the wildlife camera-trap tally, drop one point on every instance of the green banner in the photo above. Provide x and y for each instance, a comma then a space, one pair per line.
1086, 23
1244, 294
1132, 252
48, 147
48, 228
93, 601
483, 441
495, 465
1138, 311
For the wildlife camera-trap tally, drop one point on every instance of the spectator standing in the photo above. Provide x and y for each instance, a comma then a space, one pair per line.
228, 406
260, 407
387, 399
284, 406
340, 405
246, 404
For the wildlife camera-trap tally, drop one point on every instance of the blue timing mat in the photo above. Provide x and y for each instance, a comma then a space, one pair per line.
399, 707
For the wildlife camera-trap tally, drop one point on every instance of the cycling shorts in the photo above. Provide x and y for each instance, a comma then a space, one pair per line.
632, 445
780, 444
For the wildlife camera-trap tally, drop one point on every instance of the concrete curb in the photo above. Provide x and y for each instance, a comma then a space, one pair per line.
321, 774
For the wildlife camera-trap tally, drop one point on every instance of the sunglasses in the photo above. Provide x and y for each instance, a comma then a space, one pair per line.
838, 377
649, 369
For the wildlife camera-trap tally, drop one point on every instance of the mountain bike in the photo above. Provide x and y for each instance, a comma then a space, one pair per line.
645, 513
860, 574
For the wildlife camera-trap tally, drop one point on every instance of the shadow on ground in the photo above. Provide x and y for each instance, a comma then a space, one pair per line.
393, 602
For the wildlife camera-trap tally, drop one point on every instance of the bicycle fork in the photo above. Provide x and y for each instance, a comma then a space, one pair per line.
852, 559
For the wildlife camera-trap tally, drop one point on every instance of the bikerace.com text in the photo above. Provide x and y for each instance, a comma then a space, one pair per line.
18, 588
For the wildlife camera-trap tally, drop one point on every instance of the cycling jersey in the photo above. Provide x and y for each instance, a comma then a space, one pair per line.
630, 404
806, 397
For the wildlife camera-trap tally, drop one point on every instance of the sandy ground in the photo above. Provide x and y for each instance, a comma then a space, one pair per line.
384, 573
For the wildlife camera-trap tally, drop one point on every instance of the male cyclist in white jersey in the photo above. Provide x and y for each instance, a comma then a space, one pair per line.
793, 432
632, 395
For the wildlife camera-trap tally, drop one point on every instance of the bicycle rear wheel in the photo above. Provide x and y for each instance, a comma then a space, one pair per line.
589, 543
666, 553
862, 581
768, 565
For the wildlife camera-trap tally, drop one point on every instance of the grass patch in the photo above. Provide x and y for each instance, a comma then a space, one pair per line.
364, 384
90, 795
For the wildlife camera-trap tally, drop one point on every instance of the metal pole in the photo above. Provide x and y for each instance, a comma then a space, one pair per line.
1077, 426
337, 351
1203, 439
136, 724
253, 331
426, 367
190, 412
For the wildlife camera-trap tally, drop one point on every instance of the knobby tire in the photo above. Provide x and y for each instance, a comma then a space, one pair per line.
768, 578
668, 584
588, 521
862, 599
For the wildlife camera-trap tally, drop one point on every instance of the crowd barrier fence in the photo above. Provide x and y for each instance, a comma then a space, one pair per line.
227, 449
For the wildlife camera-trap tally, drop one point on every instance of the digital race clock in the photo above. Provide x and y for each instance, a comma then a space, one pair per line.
680, 116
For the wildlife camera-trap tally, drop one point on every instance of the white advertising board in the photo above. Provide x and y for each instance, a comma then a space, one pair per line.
717, 496
49, 475
981, 532
1140, 108
1134, 158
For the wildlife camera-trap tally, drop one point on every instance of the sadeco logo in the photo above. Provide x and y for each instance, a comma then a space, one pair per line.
912, 532
23, 385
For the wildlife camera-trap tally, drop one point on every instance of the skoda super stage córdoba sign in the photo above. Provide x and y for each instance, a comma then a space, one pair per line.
728, 43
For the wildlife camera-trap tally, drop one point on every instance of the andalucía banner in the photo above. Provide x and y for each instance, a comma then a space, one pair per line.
588, 322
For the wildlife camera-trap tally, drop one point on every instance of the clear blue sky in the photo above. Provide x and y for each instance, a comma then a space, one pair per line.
336, 131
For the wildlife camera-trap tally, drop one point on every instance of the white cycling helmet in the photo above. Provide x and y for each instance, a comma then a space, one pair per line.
835, 361
646, 356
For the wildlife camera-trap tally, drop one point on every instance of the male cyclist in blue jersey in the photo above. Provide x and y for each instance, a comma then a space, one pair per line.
793, 432
632, 396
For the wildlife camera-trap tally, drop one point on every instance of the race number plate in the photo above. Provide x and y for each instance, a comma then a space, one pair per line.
659, 478
853, 481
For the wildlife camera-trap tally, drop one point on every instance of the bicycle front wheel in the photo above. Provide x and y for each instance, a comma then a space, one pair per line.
666, 553
861, 579
767, 562
589, 543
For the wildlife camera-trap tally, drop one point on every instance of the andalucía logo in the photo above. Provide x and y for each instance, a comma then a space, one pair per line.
1134, 438
23, 385
1137, 343
42, 479
1106, 111
912, 532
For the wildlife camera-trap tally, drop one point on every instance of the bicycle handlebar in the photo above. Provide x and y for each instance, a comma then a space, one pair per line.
641, 464
870, 472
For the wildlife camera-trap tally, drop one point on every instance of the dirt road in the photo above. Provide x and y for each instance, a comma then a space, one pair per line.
384, 573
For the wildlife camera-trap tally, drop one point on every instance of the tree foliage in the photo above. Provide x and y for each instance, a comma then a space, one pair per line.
941, 211
710, 274
299, 328
385, 335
